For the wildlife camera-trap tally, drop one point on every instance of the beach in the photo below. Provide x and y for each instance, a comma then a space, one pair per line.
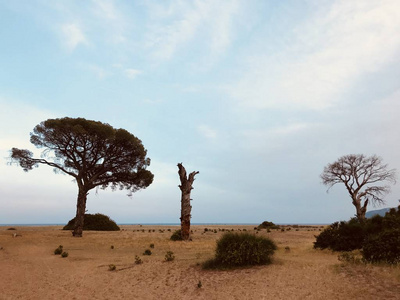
29, 269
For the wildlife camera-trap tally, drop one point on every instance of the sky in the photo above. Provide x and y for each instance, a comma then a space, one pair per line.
256, 95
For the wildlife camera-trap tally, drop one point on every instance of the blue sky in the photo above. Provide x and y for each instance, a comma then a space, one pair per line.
256, 95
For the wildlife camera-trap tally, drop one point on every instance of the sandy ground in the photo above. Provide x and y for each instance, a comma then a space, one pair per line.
30, 270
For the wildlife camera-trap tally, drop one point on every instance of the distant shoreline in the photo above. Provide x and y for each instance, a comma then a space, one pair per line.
169, 224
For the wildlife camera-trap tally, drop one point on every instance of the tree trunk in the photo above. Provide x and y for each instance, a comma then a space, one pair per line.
360, 209
80, 212
186, 208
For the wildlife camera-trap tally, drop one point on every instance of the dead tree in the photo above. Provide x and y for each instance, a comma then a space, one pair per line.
186, 208
363, 178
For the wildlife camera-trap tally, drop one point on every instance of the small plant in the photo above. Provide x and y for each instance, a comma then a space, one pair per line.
64, 254
169, 256
152, 246
287, 249
112, 267
176, 236
199, 284
350, 257
112, 246
147, 252
11, 228
138, 260
59, 250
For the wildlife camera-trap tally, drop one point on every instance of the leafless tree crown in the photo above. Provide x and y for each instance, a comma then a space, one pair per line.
361, 176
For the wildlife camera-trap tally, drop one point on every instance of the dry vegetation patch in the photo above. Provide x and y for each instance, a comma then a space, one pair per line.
301, 273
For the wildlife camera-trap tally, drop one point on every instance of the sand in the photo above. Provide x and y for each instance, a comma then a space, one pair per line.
30, 270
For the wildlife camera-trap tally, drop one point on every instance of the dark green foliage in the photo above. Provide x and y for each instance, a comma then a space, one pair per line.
383, 247
95, 154
241, 249
112, 267
176, 236
342, 236
152, 246
64, 254
59, 250
377, 237
147, 252
267, 225
97, 222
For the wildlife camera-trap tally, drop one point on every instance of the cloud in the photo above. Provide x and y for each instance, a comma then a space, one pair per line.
326, 55
207, 132
73, 36
111, 19
132, 73
180, 23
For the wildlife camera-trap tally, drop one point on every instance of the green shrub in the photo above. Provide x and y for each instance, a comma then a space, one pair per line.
147, 252
59, 250
97, 222
64, 254
267, 225
169, 256
112, 267
152, 246
342, 236
383, 247
176, 236
244, 249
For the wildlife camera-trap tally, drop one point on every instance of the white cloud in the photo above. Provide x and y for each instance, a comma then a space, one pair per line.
112, 19
326, 56
207, 131
211, 20
132, 73
73, 36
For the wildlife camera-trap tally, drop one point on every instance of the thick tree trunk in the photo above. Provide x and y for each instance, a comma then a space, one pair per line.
360, 209
80, 212
186, 208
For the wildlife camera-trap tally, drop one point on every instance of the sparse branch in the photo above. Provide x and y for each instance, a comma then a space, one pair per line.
361, 176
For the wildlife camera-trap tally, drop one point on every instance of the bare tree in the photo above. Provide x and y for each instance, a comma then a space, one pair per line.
186, 208
363, 177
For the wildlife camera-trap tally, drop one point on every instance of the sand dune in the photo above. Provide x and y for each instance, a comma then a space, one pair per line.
30, 270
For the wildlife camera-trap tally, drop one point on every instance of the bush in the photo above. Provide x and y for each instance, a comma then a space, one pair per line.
97, 222
383, 247
147, 252
237, 250
378, 237
59, 250
267, 225
112, 267
176, 236
169, 256
342, 236
64, 254
152, 246
138, 260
